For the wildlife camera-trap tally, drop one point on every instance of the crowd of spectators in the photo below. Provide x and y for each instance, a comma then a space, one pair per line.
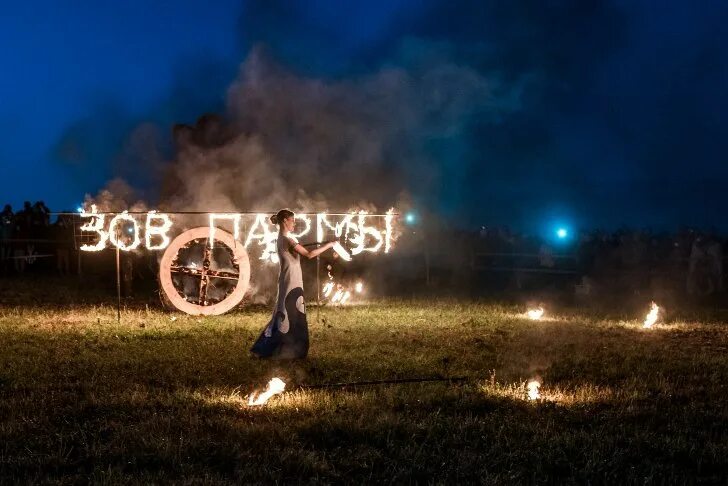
28, 236
689, 261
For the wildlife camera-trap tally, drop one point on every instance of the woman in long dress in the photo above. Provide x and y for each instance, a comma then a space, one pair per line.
286, 335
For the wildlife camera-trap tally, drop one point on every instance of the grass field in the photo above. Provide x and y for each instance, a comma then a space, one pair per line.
83, 398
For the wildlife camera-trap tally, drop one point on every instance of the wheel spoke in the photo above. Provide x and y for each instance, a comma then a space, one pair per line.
195, 272
204, 277
222, 274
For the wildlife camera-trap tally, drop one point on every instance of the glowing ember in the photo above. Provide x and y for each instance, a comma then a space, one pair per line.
651, 317
275, 387
535, 314
533, 386
359, 287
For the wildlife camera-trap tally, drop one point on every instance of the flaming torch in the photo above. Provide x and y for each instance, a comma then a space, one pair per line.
533, 386
651, 317
275, 387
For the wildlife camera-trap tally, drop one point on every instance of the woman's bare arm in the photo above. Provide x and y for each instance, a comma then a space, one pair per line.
301, 250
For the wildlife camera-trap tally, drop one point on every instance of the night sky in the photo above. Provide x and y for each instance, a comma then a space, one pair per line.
598, 113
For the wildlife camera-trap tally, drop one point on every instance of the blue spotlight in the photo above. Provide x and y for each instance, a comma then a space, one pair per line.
79, 209
562, 233
410, 218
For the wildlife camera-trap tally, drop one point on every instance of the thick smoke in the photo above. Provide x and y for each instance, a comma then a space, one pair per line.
291, 141
547, 117
116, 196
287, 140
450, 105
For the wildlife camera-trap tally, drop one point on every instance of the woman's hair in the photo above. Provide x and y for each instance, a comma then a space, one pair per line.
281, 215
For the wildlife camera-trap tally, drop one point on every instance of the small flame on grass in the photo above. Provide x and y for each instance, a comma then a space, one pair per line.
651, 317
535, 314
359, 287
275, 387
533, 386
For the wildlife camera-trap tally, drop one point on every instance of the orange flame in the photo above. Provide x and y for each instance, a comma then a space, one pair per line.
533, 393
651, 317
275, 387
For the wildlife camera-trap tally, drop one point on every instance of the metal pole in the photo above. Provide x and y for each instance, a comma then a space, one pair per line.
76, 241
118, 287
318, 289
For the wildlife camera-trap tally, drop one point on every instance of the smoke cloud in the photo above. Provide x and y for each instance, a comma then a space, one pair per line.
290, 141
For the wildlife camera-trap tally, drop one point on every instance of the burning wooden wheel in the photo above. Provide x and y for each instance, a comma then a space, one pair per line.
203, 279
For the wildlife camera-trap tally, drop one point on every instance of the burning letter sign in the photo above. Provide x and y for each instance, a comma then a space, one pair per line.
194, 283
127, 231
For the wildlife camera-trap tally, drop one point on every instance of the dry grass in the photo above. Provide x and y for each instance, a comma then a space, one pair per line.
83, 398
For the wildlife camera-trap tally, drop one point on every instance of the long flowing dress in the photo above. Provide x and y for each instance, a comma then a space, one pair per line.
286, 335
